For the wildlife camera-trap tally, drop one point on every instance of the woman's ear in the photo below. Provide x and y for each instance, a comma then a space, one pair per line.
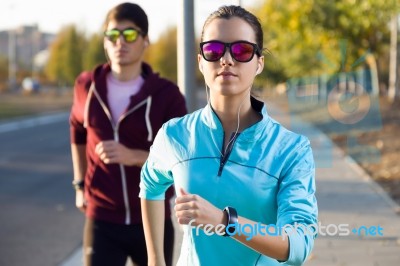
260, 65
200, 64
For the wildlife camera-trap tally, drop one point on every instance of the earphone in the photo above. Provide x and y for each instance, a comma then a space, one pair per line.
258, 70
238, 120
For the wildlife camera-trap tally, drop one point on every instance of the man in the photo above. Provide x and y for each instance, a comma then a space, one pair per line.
117, 110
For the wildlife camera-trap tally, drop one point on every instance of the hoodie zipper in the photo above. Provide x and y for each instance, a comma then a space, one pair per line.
116, 138
225, 155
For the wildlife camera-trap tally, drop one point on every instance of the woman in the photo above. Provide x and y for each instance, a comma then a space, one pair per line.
116, 109
243, 181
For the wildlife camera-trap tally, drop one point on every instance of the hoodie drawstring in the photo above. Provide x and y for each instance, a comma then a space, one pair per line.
147, 114
147, 117
87, 103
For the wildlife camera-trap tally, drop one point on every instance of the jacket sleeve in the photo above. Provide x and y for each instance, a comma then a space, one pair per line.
297, 205
76, 120
156, 176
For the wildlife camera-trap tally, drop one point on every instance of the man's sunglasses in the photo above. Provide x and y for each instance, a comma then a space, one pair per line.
241, 51
130, 35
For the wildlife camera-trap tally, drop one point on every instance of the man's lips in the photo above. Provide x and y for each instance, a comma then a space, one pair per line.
120, 52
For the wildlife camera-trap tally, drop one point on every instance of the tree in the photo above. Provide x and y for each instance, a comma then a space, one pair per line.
65, 61
94, 53
311, 37
291, 39
162, 54
3, 72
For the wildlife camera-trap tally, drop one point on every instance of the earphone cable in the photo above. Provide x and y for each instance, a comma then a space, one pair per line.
238, 122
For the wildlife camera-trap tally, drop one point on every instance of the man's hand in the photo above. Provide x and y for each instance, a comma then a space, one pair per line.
111, 151
80, 201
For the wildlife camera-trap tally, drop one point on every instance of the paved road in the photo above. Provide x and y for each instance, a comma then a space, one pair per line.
39, 224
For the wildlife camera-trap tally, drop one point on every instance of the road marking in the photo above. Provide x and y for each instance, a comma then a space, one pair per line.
32, 122
75, 259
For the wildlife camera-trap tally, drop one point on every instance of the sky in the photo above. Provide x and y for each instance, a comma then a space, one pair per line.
88, 15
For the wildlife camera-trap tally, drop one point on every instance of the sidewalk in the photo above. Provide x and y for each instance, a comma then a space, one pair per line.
346, 195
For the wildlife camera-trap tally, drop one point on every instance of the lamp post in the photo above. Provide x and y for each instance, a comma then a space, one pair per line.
186, 53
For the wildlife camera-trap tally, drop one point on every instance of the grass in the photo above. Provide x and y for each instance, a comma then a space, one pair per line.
17, 105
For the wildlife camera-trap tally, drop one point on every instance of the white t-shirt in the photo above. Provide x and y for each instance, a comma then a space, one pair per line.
119, 93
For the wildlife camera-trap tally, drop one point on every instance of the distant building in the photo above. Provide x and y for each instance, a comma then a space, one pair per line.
25, 43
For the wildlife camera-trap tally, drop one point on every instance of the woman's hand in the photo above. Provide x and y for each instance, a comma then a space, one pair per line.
193, 209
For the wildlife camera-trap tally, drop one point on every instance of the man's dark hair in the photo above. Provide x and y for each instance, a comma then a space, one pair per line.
131, 12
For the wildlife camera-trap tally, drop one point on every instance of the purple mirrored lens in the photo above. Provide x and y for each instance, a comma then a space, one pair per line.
242, 52
213, 51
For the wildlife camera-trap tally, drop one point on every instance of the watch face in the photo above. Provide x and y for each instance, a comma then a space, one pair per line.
231, 229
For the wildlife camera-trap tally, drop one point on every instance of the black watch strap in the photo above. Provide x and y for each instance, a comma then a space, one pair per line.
231, 220
78, 184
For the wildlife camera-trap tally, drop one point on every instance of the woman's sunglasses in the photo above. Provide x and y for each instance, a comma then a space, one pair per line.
241, 51
130, 35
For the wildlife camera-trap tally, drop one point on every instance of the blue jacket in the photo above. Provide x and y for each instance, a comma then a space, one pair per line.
268, 176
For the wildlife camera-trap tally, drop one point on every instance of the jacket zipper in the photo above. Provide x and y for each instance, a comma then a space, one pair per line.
116, 138
225, 155
121, 166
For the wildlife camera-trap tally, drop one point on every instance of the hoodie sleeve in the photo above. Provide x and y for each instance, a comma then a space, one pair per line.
76, 120
297, 205
156, 176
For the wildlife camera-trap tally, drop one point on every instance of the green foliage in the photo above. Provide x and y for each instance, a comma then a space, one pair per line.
3, 68
65, 61
3, 73
162, 55
94, 53
312, 37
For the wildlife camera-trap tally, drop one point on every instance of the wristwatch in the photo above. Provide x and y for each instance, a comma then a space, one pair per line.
231, 221
78, 184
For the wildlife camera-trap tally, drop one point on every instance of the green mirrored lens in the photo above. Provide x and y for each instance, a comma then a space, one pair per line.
112, 35
130, 35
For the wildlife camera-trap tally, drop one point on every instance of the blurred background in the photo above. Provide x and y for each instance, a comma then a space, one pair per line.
334, 64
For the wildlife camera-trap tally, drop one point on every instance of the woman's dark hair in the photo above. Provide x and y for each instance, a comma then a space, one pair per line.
131, 12
227, 12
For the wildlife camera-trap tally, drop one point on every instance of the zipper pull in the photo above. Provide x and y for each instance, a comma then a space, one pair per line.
221, 166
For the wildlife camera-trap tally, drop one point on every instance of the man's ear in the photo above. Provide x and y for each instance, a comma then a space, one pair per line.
146, 41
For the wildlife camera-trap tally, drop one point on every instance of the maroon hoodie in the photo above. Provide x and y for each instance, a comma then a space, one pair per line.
112, 190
